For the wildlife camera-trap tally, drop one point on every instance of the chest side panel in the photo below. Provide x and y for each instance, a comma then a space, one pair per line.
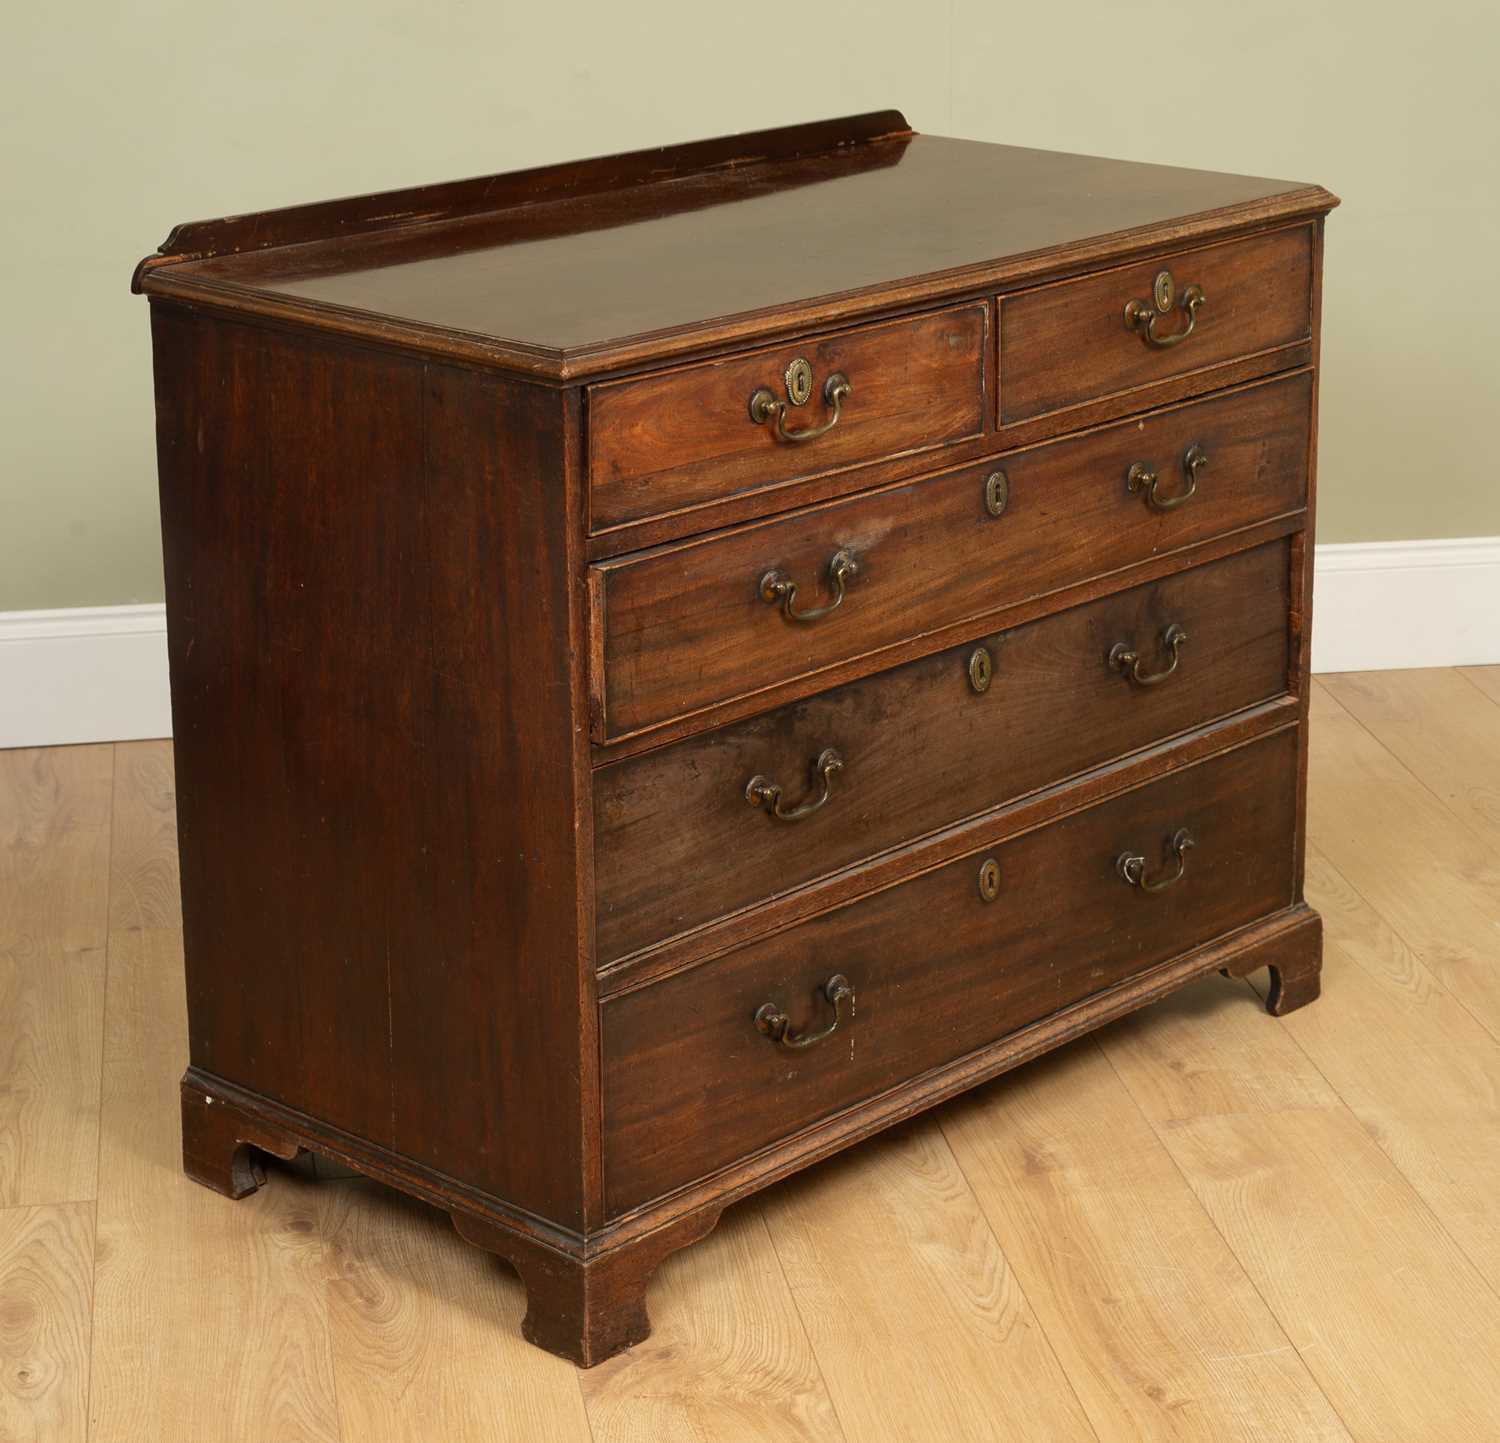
364, 564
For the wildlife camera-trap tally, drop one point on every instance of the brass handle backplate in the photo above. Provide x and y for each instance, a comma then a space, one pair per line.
1142, 316
765, 407
777, 586
1141, 477
772, 1022
1132, 865
1127, 660
762, 792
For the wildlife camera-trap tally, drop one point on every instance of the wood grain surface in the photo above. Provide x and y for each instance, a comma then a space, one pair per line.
340, 702
728, 1358
46, 1312
921, 748
1385, 827
425, 1331
690, 1083
674, 439
1438, 724
636, 265
678, 623
1068, 344
918, 1323
1315, 1268
54, 900
1154, 1319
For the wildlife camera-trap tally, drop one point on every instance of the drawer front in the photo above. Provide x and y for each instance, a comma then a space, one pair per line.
673, 440
691, 1083
687, 626
1066, 344
921, 746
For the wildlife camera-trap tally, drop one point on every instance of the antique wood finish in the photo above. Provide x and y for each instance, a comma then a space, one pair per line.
1033, 810
1161, 564
937, 968
504, 710
1068, 344
1287, 942
462, 199
339, 701
587, 1310
732, 510
677, 624
669, 440
921, 748
604, 270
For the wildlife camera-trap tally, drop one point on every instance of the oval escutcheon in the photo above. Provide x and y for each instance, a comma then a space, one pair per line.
996, 492
989, 879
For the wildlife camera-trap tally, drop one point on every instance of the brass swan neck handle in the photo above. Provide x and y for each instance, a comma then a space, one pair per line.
777, 586
1126, 660
772, 1022
1132, 865
1142, 316
765, 407
1142, 477
763, 792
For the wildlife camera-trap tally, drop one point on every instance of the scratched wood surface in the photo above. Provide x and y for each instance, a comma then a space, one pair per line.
1203, 1223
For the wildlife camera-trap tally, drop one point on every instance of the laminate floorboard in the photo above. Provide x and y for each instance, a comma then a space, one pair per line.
54, 900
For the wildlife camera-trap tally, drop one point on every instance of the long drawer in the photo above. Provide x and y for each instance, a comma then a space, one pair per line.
684, 834
685, 626
694, 1076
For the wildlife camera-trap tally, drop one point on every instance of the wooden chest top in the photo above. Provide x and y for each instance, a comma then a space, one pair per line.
575, 270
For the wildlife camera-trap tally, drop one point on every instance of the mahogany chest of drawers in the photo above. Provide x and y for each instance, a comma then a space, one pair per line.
683, 660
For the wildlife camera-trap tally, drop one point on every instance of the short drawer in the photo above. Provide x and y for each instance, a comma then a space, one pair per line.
672, 440
937, 968
683, 627
1075, 342
692, 832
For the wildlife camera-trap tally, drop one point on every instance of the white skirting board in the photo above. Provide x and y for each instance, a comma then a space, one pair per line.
84, 674
1383, 605
93, 674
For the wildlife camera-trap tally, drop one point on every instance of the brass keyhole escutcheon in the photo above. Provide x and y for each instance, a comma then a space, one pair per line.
981, 669
1163, 292
989, 879
799, 381
996, 492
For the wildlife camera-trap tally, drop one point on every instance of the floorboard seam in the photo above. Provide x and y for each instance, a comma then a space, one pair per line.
1020, 1286
1405, 941
109, 907
812, 1348
1275, 1317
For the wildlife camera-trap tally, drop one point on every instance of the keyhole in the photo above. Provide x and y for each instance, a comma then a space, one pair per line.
989, 880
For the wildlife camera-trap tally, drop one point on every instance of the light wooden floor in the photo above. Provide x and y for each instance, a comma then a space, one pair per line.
1201, 1223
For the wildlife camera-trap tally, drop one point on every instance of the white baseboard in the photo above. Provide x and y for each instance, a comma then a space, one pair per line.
1382, 605
99, 673
85, 674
